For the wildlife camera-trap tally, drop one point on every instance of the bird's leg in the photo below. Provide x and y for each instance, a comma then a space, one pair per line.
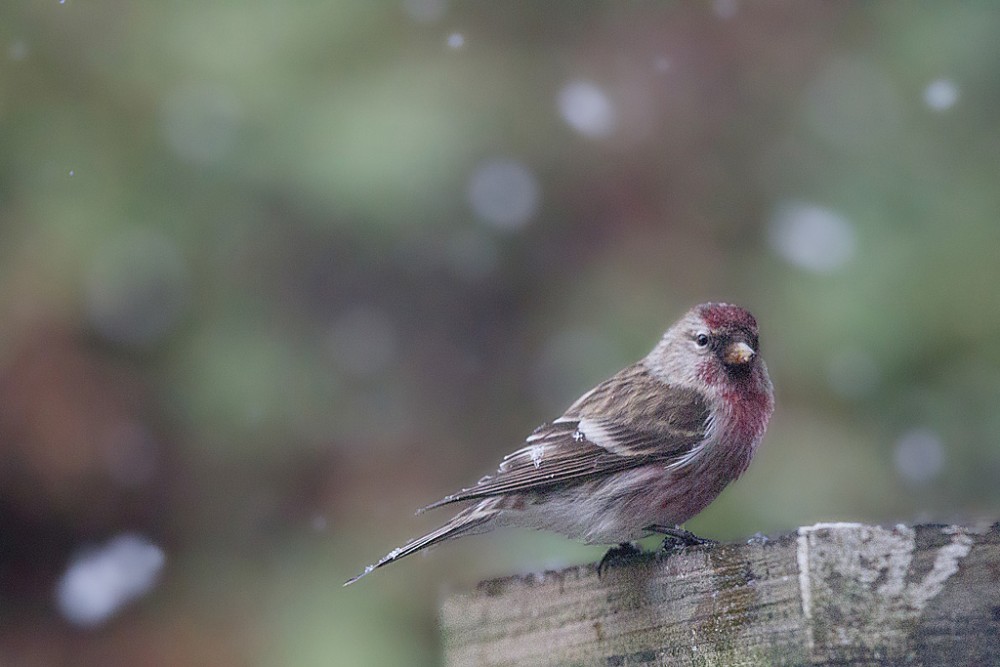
617, 556
678, 537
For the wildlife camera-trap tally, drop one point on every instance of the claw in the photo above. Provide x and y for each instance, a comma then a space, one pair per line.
617, 556
677, 538
671, 543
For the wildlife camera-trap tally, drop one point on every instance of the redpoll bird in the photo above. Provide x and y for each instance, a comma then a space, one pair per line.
640, 453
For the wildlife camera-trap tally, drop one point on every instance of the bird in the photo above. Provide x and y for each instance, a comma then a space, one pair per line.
639, 454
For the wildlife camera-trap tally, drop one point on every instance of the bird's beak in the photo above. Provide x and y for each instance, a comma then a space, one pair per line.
738, 353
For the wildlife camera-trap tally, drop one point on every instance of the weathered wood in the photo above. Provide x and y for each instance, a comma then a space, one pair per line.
831, 594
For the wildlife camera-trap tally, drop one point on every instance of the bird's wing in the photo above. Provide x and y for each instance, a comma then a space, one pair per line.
662, 423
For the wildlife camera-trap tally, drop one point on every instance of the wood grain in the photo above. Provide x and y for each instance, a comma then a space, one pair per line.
829, 594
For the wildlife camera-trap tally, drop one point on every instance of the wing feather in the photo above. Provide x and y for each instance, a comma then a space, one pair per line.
593, 439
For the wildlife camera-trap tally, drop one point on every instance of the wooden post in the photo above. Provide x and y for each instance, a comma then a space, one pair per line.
830, 594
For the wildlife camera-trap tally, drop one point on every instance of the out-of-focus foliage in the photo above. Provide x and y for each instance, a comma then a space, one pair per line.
274, 274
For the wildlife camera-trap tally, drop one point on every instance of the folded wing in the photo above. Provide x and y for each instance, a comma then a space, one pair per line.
661, 424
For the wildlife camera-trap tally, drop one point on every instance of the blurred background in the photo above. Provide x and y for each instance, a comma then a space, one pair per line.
273, 275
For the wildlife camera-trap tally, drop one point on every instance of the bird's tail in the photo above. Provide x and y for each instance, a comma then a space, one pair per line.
476, 519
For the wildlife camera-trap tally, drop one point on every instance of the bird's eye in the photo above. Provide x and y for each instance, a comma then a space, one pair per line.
701, 340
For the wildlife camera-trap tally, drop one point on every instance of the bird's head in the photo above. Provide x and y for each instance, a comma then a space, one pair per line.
713, 346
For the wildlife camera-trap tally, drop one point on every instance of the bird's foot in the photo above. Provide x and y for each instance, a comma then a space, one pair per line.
678, 538
671, 543
617, 556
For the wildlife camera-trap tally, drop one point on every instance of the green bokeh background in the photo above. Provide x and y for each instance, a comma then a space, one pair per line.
250, 310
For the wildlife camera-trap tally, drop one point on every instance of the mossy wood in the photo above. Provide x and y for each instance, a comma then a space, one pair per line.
831, 594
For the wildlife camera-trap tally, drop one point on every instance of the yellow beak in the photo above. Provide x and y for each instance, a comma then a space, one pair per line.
738, 353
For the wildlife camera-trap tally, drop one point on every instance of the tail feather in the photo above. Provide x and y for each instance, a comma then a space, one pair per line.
443, 501
476, 519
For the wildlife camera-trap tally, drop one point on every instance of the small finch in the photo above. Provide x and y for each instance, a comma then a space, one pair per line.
640, 453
